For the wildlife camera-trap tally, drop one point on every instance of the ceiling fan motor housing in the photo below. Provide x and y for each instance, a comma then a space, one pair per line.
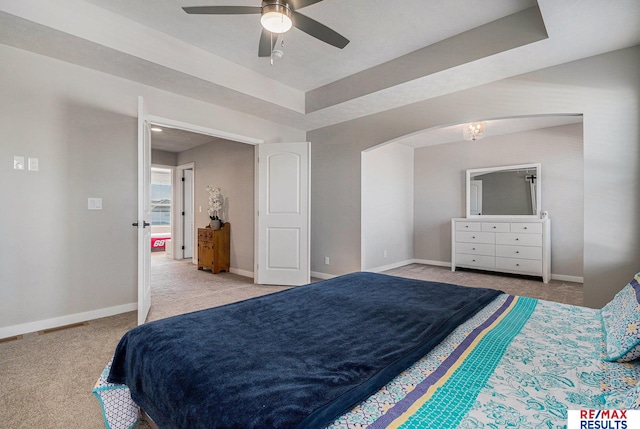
276, 6
276, 16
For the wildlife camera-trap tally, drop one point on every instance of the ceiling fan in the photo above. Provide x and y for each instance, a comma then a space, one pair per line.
277, 16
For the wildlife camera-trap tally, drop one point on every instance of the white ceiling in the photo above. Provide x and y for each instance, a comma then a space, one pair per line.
401, 52
307, 62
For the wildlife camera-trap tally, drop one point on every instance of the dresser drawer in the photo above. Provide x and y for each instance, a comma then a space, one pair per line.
519, 239
476, 249
467, 226
475, 237
205, 234
496, 227
480, 261
526, 227
520, 252
527, 266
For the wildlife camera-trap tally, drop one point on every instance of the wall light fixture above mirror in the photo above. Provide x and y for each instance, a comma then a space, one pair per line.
512, 190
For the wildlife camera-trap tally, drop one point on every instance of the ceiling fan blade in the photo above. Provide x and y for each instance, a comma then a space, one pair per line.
222, 10
317, 30
299, 4
266, 44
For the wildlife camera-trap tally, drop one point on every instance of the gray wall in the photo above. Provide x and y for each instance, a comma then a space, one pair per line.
60, 262
605, 89
440, 189
387, 206
162, 157
230, 166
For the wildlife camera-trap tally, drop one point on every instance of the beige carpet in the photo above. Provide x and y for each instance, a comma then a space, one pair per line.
46, 379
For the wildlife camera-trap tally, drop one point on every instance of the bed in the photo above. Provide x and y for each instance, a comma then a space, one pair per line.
377, 351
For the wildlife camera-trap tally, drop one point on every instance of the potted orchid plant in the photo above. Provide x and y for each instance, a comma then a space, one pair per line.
215, 206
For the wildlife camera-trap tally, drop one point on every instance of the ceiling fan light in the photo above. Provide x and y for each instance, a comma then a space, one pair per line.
276, 18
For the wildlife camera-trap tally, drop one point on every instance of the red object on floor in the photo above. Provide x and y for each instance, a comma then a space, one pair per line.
158, 243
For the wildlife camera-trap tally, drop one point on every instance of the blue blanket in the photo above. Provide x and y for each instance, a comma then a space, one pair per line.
297, 358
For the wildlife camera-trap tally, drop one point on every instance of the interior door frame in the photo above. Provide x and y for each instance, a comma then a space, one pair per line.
186, 126
177, 230
171, 123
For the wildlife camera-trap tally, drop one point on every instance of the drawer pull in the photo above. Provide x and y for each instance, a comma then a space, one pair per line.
517, 239
473, 248
517, 265
466, 226
473, 236
473, 260
517, 251
525, 227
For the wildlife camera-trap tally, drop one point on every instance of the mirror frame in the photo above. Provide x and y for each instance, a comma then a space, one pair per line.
474, 171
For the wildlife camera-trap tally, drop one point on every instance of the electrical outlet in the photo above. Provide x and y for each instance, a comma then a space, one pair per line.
384, 253
326, 260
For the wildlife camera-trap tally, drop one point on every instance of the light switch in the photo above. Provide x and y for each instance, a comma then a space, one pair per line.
95, 204
18, 162
33, 164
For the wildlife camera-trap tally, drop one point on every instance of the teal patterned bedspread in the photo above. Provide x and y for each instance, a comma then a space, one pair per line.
519, 362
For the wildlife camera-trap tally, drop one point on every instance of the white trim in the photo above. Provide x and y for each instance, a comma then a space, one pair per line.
564, 278
158, 120
39, 325
322, 276
427, 262
240, 272
389, 266
178, 229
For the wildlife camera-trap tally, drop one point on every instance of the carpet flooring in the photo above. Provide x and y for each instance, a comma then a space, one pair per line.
46, 378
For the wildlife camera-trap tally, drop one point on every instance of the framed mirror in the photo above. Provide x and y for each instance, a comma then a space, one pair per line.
507, 191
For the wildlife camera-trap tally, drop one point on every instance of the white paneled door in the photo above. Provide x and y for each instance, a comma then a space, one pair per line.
144, 213
187, 218
282, 226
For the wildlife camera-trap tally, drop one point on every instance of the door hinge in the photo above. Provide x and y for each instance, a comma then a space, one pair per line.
183, 179
182, 247
182, 213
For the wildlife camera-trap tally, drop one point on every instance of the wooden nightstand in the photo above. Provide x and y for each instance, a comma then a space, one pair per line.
214, 248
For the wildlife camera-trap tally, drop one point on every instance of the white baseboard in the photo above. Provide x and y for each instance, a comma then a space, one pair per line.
390, 266
560, 277
322, 276
563, 278
39, 325
428, 262
240, 272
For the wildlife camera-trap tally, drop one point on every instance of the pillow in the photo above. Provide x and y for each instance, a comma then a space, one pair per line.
621, 323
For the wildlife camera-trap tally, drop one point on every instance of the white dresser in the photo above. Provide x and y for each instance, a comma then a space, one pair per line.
510, 245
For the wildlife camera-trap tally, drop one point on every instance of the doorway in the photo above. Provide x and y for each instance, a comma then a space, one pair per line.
161, 193
256, 233
184, 228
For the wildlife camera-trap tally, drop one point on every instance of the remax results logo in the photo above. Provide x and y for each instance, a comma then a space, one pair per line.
603, 419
